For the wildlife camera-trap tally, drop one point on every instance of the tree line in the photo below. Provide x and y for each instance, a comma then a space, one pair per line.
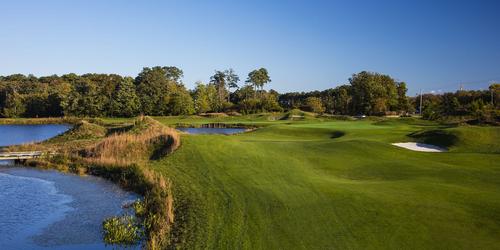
478, 105
159, 91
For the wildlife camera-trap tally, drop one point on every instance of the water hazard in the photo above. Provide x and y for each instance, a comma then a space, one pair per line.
45, 209
19, 134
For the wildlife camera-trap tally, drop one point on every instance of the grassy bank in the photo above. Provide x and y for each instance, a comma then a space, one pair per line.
123, 158
323, 184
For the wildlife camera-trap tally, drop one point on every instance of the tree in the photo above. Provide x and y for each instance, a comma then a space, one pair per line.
173, 74
223, 82
269, 102
155, 87
232, 80
201, 98
36, 105
403, 103
449, 104
343, 99
495, 94
13, 104
373, 93
181, 103
219, 81
315, 105
85, 99
58, 97
125, 102
258, 78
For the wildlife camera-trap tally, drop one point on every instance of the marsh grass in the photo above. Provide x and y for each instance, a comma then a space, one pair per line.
123, 158
148, 140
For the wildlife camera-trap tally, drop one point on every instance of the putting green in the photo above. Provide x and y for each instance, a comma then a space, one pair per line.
337, 184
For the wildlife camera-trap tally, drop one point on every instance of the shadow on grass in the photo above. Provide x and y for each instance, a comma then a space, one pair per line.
436, 137
162, 147
337, 134
119, 129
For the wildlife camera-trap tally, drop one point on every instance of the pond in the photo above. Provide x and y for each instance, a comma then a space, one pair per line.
19, 134
45, 209
224, 131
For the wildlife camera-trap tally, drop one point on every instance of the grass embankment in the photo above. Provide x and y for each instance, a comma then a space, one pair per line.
123, 158
320, 184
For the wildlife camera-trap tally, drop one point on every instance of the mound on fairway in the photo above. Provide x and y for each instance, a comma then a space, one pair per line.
295, 186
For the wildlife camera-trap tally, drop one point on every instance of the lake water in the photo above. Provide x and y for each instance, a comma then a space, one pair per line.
224, 131
45, 209
19, 134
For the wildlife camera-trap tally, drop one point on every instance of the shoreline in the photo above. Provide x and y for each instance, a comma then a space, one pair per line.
138, 178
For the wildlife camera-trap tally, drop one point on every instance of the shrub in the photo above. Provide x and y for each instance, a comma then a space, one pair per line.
122, 230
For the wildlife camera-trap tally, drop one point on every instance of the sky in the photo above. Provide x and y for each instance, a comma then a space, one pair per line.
305, 45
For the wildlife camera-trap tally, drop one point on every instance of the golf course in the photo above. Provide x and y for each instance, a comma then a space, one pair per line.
334, 184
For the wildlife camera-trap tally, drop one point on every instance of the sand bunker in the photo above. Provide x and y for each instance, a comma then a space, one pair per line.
422, 147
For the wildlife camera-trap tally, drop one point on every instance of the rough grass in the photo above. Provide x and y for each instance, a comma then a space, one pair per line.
146, 140
83, 130
128, 153
335, 185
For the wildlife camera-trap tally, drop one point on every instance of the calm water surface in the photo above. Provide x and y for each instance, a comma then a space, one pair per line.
45, 209
225, 131
19, 134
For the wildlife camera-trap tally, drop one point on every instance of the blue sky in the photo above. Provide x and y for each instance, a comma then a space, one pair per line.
305, 45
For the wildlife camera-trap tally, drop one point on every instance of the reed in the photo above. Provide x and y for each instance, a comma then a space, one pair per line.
149, 140
122, 158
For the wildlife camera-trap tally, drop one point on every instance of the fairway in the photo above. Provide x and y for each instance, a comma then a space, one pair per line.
337, 185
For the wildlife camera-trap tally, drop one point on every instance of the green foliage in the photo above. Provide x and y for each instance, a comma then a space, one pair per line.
258, 78
223, 81
181, 103
403, 102
314, 104
202, 98
86, 99
373, 93
125, 102
13, 105
162, 93
139, 208
122, 230
159, 91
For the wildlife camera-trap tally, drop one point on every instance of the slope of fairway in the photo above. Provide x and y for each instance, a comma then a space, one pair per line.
334, 184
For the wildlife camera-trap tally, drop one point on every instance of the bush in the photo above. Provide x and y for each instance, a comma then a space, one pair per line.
122, 230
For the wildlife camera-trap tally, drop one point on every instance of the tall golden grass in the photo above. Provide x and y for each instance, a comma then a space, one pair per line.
134, 147
123, 159
130, 151
159, 203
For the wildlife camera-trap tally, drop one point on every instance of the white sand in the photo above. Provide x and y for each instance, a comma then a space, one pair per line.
422, 147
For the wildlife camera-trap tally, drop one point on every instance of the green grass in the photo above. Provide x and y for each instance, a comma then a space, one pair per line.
262, 119
336, 184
